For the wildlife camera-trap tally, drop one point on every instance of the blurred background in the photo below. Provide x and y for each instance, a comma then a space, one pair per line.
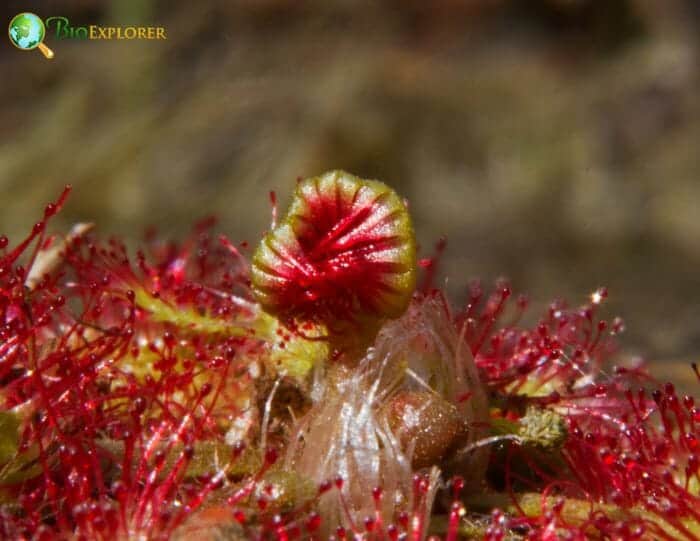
555, 142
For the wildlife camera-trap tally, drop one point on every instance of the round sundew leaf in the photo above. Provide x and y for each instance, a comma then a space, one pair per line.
345, 251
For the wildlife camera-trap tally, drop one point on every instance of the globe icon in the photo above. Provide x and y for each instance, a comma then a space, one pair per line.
27, 32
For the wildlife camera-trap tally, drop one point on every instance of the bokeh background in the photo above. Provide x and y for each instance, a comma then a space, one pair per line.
555, 142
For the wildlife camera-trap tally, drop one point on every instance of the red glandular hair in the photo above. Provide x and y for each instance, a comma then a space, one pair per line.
631, 455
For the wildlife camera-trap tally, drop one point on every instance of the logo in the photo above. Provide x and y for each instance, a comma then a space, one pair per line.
63, 30
27, 32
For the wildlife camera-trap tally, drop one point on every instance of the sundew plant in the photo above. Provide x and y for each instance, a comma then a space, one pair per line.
323, 388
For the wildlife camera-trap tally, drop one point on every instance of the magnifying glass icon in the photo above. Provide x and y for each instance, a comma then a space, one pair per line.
27, 32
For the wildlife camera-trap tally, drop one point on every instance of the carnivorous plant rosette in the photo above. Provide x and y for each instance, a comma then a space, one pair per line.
317, 393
